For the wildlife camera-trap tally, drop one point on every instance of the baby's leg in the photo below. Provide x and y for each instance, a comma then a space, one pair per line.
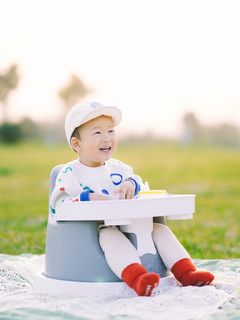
123, 260
119, 251
169, 248
177, 259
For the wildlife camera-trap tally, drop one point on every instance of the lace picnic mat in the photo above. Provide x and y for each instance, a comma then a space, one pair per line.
20, 300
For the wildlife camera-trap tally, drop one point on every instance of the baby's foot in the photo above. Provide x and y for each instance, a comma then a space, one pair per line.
197, 278
186, 273
137, 278
145, 283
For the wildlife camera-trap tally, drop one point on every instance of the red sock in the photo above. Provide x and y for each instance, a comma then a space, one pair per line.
186, 273
137, 278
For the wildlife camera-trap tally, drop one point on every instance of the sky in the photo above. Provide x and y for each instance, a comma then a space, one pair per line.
154, 59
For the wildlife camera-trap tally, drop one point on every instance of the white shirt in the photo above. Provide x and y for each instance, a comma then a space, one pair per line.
75, 179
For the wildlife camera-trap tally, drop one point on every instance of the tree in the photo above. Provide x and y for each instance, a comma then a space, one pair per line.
192, 128
8, 82
10, 133
73, 92
225, 134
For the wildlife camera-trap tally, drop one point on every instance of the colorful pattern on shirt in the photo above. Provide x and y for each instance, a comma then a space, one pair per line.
75, 179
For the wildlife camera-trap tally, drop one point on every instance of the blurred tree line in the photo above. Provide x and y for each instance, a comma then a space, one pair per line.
222, 134
74, 91
8, 82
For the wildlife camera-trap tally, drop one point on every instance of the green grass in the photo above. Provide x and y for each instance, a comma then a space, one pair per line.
212, 173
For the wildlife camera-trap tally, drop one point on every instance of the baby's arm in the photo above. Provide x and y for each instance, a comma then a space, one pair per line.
68, 188
96, 196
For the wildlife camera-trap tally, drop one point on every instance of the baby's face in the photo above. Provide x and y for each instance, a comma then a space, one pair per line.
97, 142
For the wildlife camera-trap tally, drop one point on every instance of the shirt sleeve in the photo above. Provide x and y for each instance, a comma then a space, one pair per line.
67, 188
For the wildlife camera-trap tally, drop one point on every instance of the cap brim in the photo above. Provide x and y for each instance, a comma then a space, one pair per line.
112, 112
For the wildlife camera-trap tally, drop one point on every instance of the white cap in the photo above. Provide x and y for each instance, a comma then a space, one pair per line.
86, 111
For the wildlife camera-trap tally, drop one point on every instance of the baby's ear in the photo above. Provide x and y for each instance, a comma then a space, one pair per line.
75, 144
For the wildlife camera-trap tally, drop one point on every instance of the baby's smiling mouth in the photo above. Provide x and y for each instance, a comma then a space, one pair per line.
105, 149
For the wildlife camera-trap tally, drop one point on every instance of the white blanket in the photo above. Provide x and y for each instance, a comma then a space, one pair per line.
20, 300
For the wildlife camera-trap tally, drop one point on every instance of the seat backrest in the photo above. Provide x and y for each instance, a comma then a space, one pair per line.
53, 176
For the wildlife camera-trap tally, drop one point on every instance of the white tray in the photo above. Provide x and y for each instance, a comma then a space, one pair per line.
120, 212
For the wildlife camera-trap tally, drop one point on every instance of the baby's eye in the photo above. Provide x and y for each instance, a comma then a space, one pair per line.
97, 132
111, 131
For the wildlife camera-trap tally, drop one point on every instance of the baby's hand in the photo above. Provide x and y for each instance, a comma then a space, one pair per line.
96, 196
126, 190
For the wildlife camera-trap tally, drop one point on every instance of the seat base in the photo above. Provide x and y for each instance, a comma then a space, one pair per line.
50, 285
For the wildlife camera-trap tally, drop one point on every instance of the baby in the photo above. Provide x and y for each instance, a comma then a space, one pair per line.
96, 176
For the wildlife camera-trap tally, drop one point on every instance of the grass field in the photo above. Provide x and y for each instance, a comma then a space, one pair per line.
212, 173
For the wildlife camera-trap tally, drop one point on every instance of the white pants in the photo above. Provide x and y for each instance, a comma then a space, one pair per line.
120, 252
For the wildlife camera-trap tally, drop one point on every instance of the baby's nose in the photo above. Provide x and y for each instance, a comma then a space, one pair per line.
106, 137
